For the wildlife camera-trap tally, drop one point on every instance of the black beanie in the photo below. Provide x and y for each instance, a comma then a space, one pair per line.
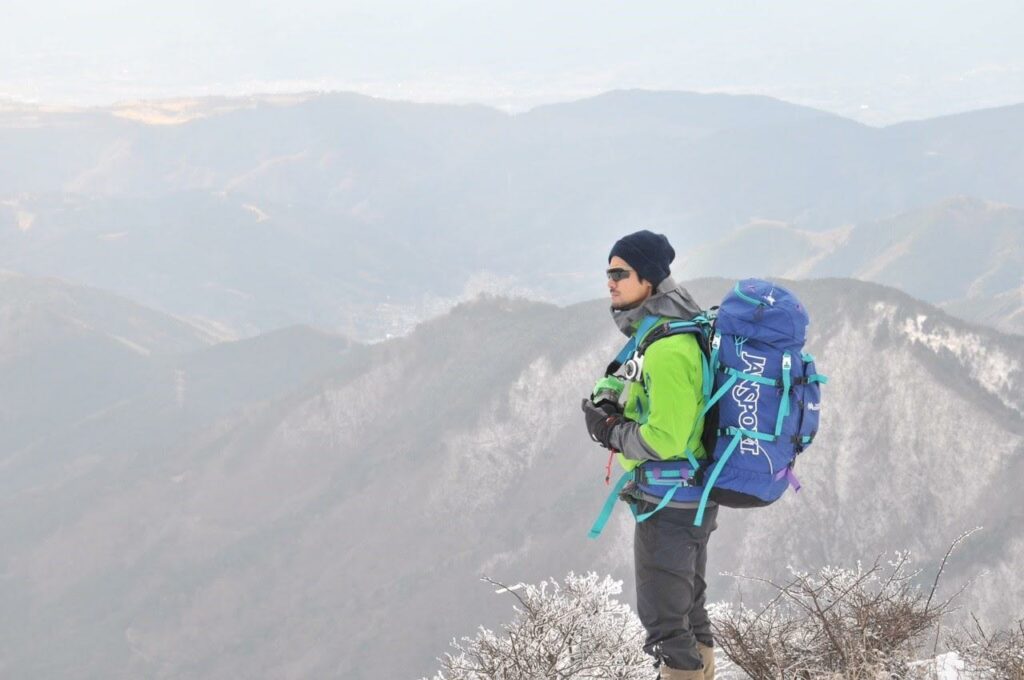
648, 253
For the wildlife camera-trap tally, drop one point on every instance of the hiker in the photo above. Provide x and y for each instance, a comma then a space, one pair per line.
662, 418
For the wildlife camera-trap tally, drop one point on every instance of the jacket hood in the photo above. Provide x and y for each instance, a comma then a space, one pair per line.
669, 299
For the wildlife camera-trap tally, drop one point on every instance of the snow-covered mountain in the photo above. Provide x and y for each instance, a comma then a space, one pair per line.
301, 506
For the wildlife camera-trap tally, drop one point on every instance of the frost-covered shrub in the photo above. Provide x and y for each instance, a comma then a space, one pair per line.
837, 623
992, 656
864, 623
573, 630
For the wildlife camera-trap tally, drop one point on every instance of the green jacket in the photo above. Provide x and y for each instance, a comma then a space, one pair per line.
662, 407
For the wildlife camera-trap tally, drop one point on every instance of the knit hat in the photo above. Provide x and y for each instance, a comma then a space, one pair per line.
648, 253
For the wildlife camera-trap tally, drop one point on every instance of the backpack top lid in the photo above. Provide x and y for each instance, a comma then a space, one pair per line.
763, 311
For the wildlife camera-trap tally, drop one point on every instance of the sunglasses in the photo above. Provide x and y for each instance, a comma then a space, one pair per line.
618, 274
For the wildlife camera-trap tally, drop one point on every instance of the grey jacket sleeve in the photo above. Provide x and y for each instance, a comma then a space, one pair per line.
626, 438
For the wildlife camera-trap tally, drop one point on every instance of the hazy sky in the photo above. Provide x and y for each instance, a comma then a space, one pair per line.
877, 61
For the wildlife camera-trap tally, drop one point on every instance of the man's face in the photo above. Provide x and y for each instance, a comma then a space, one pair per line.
627, 292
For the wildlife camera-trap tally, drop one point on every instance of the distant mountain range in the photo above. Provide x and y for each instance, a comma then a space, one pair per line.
364, 215
69, 352
964, 254
299, 505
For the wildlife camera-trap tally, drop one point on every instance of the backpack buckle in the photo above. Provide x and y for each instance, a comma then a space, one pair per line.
632, 369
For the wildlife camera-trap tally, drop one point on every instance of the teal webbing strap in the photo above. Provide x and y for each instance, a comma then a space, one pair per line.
719, 394
818, 378
786, 384
751, 434
703, 412
627, 350
808, 358
744, 296
664, 501
609, 506
693, 460
644, 328
750, 377
710, 482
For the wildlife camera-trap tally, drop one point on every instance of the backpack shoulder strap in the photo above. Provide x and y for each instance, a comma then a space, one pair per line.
629, 348
697, 325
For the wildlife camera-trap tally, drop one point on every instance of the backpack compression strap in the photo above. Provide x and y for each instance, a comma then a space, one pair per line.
609, 505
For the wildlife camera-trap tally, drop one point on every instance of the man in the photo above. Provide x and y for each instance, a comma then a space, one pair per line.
660, 421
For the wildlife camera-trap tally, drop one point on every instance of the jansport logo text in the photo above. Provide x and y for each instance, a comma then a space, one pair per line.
746, 394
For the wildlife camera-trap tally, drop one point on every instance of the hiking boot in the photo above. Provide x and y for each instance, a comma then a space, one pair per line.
669, 673
707, 655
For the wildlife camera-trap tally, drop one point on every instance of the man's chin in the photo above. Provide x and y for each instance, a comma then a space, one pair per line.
621, 307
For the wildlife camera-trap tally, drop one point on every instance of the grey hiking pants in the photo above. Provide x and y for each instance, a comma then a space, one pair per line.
670, 556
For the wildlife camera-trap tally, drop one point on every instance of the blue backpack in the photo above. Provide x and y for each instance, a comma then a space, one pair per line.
761, 403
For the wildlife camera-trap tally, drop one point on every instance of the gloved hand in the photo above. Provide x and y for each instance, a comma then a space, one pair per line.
601, 420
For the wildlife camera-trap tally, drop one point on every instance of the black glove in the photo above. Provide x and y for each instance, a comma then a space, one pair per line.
601, 420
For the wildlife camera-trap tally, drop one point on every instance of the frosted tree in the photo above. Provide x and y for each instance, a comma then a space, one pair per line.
576, 629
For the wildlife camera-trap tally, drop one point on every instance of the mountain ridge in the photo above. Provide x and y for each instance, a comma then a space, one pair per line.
460, 449
169, 107
265, 216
